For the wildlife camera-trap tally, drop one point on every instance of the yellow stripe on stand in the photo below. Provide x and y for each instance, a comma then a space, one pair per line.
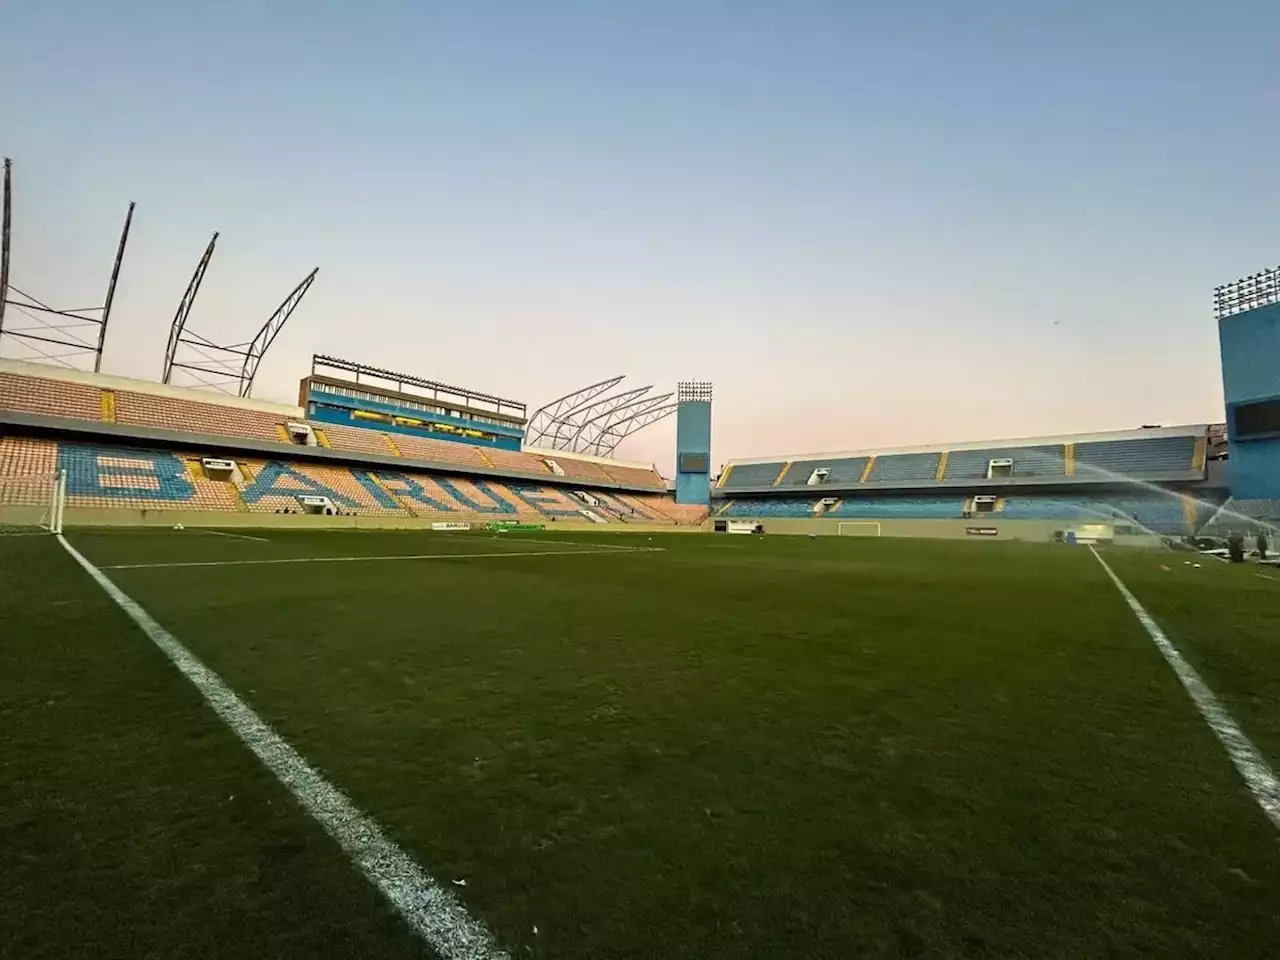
866, 471
282, 433
1202, 450
321, 438
942, 467
1069, 459
722, 508
107, 406
485, 457
724, 476
391, 444
785, 467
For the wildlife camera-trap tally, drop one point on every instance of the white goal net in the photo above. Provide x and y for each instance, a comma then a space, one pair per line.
858, 528
32, 502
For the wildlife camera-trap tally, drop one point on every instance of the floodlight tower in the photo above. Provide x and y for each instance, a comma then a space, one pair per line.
693, 442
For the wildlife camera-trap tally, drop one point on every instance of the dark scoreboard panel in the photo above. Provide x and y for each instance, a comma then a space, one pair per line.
1256, 419
693, 463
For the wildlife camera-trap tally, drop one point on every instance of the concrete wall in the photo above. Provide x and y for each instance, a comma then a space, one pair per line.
693, 436
1250, 347
1037, 530
121, 517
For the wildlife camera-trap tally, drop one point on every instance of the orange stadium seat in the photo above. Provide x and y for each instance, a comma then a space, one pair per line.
438, 451
194, 416
354, 439
21, 456
54, 398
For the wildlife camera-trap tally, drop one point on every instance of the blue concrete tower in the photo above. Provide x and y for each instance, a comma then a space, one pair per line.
693, 442
1248, 313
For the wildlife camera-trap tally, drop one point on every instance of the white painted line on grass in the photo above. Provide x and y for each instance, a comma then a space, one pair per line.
433, 911
1253, 766
568, 543
238, 536
394, 556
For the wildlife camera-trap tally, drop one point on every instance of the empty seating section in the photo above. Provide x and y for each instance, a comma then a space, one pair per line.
1250, 509
665, 508
26, 469
195, 416
437, 451
584, 470
1161, 514
839, 471
113, 477
759, 509
1135, 458
753, 475
1046, 461
899, 467
903, 508
635, 476
354, 439
54, 398
21, 456
521, 462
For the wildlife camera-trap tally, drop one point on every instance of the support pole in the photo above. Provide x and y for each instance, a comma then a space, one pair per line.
111, 289
4, 239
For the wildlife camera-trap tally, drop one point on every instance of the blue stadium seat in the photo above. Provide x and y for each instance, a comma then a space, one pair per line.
1161, 514
848, 470
790, 507
1027, 462
900, 508
1134, 458
120, 473
753, 475
898, 467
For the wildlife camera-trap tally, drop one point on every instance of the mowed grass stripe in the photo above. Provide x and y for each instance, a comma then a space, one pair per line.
133, 823
431, 910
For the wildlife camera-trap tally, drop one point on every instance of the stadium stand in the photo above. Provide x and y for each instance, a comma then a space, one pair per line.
1135, 457
147, 478
166, 409
847, 470
52, 398
22, 456
143, 479
895, 468
353, 439
900, 508
1039, 461
753, 475
191, 416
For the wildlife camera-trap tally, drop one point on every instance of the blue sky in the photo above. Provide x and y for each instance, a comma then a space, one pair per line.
869, 223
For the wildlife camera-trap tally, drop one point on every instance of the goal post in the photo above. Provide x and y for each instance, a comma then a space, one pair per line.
32, 502
858, 528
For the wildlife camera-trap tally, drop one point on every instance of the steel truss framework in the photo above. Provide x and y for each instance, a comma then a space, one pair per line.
227, 368
594, 419
51, 334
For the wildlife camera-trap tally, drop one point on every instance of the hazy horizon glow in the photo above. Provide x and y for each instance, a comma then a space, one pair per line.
867, 224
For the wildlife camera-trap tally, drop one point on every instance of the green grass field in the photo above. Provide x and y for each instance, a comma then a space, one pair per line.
731, 747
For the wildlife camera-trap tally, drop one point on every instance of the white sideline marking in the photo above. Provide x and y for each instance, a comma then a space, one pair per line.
433, 911
568, 543
238, 536
396, 556
1253, 766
